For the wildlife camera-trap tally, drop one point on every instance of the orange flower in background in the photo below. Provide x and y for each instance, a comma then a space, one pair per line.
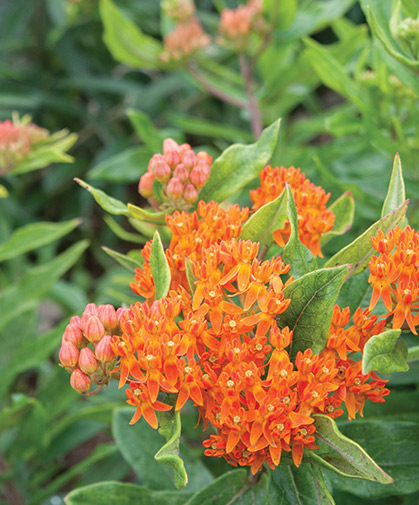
313, 217
185, 40
394, 275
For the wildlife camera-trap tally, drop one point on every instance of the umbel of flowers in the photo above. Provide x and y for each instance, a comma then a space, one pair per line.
217, 339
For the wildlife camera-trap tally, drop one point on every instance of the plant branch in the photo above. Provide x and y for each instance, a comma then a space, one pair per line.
253, 106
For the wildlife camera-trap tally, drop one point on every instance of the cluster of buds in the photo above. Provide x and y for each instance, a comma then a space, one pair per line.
184, 41
394, 275
237, 25
314, 219
16, 141
86, 350
181, 172
408, 33
178, 10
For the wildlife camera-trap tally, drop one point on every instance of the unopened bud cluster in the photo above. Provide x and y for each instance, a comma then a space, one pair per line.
181, 172
178, 10
16, 141
408, 32
237, 25
184, 41
86, 350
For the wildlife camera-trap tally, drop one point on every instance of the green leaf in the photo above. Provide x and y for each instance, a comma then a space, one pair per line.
126, 166
347, 457
355, 291
127, 43
10, 416
139, 443
170, 428
146, 215
394, 446
344, 209
238, 165
413, 353
376, 12
122, 233
295, 253
160, 269
145, 129
235, 487
110, 493
31, 236
385, 353
299, 486
360, 250
3, 191
25, 293
190, 277
313, 297
108, 203
269, 218
396, 194
124, 260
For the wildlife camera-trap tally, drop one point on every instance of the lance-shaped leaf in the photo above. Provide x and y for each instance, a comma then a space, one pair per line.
343, 208
310, 311
299, 486
146, 215
238, 165
108, 203
160, 269
127, 43
170, 428
295, 253
145, 129
346, 457
129, 263
109, 493
31, 236
396, 194
360, 250
122, 233
190, 277
413, 353
267, 219
385, 353
235, 488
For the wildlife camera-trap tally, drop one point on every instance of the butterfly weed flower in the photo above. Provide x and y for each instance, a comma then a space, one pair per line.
184, 41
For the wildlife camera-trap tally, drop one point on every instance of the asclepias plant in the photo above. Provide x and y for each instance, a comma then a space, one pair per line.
240, 316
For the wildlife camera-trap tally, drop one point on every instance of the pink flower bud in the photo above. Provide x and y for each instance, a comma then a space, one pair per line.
190, 195
73, 334
93, 329
198, 176
162, 171
79, 381
91, 308
145, 186
104, 350
75, 320
156, 158
203, 156
169, 145
121, 312
174, 189
87, 361
172, 158
188, 159
69, 355
107, 314
181, 172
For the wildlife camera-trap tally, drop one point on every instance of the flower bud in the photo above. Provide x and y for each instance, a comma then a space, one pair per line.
174, 189
181, 172
145, 187
203, 156
107, 314
91, 308
169, 145
199, 176
87, 361
190, 194
172, 158
75, 320
73, 334
68, 355
162, 171
79, 381
94, 329
183, 148
103, 350
120, 312
188, 159
156, 158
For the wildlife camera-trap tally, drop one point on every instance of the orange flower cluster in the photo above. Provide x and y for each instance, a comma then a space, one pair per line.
394, 275
185, 40
181, 172
236, 25
16, 140
314, 219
